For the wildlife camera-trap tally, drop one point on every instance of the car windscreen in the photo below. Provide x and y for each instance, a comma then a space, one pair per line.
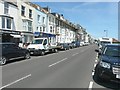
112, 51
37, 41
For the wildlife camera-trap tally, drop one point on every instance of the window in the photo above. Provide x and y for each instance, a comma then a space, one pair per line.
38, 18
29, 26
43, 29
50, 28
3, 22
24, 25
22, 10
53, 20
40, 41
37, 28
45, 42
49, 19
40, 29
43, 19
6, 8
30, 13
6, 23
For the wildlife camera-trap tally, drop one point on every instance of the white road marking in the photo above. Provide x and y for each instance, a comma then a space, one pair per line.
93, 73
75, 54
90, 85
15, 81
96, 57
95, 65
96, 60
97, 54
57, 62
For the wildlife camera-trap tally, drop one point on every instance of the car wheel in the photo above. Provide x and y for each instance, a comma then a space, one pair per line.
3, 60
27, 55
43, 53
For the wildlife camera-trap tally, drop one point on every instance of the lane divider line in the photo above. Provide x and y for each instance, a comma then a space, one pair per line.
15, 81
95, 65
96, 60
90, 85
93, 73
57, 62
75, 54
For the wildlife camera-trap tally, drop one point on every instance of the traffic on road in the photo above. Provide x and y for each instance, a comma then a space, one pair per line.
59, 45
81, 67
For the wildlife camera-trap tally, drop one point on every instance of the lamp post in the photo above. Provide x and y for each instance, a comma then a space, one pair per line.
106, 33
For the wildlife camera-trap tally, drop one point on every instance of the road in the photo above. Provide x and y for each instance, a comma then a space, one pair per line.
65, 69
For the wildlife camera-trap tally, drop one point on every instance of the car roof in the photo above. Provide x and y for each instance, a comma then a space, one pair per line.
7, 43
112, 45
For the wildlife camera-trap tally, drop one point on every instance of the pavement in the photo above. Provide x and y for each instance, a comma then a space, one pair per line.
65, 69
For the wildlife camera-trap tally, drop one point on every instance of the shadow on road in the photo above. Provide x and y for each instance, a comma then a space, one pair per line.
107, 84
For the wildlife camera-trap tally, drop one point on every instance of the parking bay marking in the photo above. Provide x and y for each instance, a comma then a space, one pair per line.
57, 62
15, 81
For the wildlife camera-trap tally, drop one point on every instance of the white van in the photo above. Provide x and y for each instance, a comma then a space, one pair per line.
41, 46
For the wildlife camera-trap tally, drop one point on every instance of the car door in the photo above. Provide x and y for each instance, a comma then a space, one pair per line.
19, 51
9, 51
45, 44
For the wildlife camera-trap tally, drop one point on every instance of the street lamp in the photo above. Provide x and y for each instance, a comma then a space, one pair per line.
106, 33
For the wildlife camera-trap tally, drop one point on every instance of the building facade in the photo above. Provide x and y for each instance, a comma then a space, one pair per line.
30, 20
8, 19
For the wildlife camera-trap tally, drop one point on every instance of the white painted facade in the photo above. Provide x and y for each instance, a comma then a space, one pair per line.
51, 27
25, 21
40, 22
8, 19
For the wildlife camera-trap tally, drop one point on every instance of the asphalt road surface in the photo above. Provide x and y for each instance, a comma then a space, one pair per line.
65, 69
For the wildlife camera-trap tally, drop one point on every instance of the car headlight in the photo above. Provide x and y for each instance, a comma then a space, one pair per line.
105, 64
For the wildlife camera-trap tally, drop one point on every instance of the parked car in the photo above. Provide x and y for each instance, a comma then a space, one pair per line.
63, 46
86, 43
82, 43
108, 67
72, 45
76, 43
10, 51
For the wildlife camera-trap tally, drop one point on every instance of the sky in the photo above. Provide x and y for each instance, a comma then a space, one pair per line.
95, 17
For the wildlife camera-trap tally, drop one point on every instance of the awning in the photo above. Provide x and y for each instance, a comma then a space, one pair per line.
16, 36
44, 34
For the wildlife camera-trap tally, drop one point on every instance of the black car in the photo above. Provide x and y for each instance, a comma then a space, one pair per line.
10, 51
63, 46
108, 67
